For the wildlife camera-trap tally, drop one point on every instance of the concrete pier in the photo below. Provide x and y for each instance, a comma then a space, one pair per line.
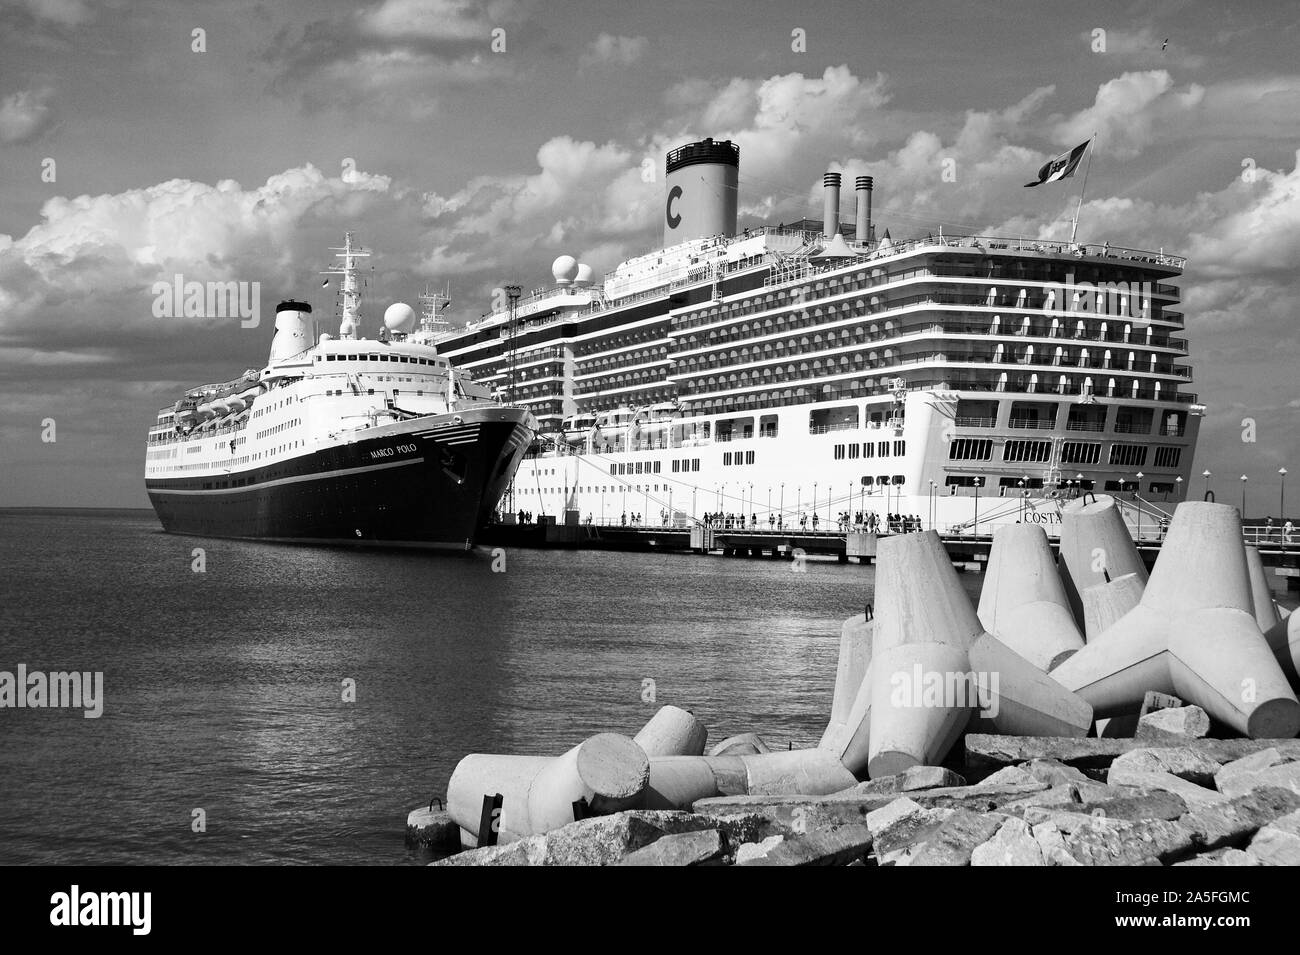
1023, 601
1095, 547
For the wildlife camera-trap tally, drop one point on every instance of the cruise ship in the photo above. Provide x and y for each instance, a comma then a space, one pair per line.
339, 440
811, 373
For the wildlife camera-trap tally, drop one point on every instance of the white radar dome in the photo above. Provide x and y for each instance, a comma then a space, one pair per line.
564, 268
399, 317
584, 275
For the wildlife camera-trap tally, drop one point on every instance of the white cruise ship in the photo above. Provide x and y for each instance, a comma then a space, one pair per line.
797, 373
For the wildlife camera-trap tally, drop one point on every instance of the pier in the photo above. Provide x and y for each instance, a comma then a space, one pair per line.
967, 551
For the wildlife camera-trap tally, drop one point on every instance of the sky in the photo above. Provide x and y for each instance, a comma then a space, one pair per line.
472, 143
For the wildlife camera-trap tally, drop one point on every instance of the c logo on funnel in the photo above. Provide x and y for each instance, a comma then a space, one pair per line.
674, 220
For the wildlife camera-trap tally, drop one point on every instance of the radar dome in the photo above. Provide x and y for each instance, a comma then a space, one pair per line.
583, 276
399, 317
564, 268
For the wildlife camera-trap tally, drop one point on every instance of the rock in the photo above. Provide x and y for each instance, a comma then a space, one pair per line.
1190, 793
432, 829
832, 845
1190, 721
918, 777
1115, 802
1248, 764
1053, 772
905, 835
1283, 775
1278, 843
1155, 701
1221, 857
879, 820
1176, 760
1010, 776
530, 850
742, 828
1105, 841
756, 850
743, 744
1233, 821
955, 839
679, 849
987, 751
788, 813
1012, 844
1051, 842
599, 840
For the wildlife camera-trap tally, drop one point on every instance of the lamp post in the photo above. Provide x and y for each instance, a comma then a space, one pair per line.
1281, 501
814, 498
1136, 490
1244, 479
933, 488
1206, 474
1178, 488
978, 481
781, 505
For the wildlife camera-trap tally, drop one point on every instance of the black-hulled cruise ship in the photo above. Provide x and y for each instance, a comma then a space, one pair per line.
792, 371
344, 440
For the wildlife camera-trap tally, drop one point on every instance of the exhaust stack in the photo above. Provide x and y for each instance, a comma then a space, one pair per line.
863, 187
831, 210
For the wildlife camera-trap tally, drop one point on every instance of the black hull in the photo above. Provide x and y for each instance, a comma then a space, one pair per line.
431, 483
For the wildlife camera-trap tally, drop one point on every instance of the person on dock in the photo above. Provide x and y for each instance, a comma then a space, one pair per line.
816, 521
1287, 530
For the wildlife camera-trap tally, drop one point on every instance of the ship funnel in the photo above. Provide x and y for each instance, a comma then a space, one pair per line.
700, 191
831, 213
862, 186
292, 330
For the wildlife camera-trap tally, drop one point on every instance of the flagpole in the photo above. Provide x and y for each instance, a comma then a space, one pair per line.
1074, 229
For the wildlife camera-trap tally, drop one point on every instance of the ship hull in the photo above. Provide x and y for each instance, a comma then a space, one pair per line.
427, 483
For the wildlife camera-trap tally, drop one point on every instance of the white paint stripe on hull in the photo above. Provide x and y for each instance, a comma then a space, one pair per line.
296, 479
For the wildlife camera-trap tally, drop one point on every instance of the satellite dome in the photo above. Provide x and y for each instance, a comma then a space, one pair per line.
399, 317
326, 336
564, 268
583, 276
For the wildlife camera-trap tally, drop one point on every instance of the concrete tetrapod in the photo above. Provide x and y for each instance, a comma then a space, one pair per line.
847, 734
1019, 699
672, 731
1105, 603
1023, 602
1266, 612
921, 692
678, 781
1096, 546
1283, 638
608, 771
1192, 635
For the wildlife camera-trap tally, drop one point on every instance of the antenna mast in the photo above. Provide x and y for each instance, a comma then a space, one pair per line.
350, 294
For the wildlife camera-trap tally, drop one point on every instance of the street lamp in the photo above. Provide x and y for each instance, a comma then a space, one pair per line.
933, 489
1244, 479
1178, 493
1206, 474
978, 480
1281, 504
1136, 491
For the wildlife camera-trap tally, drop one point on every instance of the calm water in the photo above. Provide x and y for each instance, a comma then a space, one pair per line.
223, 690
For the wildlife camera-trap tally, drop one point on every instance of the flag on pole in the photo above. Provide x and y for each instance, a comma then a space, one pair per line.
1062, 167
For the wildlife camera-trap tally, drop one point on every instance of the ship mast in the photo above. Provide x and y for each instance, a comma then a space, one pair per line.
349, 291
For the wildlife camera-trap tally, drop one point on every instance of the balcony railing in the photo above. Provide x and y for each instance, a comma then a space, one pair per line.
963, 421
1040, 424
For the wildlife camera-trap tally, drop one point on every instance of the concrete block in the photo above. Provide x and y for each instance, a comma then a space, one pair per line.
1189, 721
1184, 762
1023, 602
679, 849
672, 731
1095, 546
742, 744
1107, 602
1018, 698
837, 845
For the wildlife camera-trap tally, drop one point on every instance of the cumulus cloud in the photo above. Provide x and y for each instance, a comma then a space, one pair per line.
1130, 112
65, 13
614, 50
25, 114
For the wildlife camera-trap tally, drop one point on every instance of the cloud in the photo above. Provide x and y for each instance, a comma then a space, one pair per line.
1130, 112
614, 50
394, 57
64, 13
25, 114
